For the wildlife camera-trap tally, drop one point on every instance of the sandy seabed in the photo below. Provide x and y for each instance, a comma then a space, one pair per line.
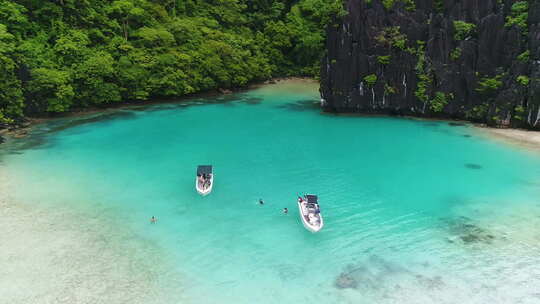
62, 256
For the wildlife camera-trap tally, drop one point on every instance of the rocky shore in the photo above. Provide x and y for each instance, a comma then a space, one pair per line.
22, 127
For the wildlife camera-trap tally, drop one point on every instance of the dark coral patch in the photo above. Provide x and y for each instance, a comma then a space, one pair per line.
473, 166
462, 229
345, 280
251, 100
301, 105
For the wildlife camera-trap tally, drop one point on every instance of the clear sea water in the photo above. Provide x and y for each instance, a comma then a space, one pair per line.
415, 211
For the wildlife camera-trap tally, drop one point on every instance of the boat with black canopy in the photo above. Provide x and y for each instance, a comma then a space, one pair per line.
205, 179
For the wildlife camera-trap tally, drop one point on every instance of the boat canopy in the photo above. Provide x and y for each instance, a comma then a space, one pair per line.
311, 199
206, 169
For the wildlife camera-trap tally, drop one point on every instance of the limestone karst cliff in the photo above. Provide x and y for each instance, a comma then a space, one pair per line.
477, 60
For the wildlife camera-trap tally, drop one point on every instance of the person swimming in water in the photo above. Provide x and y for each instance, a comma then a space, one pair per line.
261, 202
153, 219
285, 210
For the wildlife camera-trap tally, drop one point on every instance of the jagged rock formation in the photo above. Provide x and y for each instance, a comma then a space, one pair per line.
477, 60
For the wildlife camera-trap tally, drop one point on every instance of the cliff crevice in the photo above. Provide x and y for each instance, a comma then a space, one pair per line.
476, 60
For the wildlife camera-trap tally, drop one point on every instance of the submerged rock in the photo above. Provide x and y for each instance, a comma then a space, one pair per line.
477, 236
25, 124
462, 229
434, 283
287, 272
473, 166
20, 133
300, 105
345, 280
375, 273
225, 91
252, 100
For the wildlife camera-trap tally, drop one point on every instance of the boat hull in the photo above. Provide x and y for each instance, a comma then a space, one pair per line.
310, 227
204, 192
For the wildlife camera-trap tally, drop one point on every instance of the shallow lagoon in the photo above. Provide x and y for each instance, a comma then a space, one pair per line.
415, 211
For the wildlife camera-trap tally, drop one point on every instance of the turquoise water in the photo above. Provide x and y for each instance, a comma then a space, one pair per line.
415, 211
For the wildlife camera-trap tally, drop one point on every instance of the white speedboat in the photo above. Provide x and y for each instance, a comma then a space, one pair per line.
310, 213
204, 180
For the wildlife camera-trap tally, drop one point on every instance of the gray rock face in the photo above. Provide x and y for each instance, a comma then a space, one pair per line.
416, 60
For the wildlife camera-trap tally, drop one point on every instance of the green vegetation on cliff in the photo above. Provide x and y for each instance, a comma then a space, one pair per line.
475, 60
60, 55
463, 29
519, 15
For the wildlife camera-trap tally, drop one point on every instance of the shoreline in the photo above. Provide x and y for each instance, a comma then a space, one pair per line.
525, 139
521, 138
21, 130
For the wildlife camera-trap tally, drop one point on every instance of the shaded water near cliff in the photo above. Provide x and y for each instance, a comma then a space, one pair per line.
415, 211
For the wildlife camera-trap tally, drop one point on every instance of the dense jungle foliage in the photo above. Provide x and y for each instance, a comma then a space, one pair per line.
56, 55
